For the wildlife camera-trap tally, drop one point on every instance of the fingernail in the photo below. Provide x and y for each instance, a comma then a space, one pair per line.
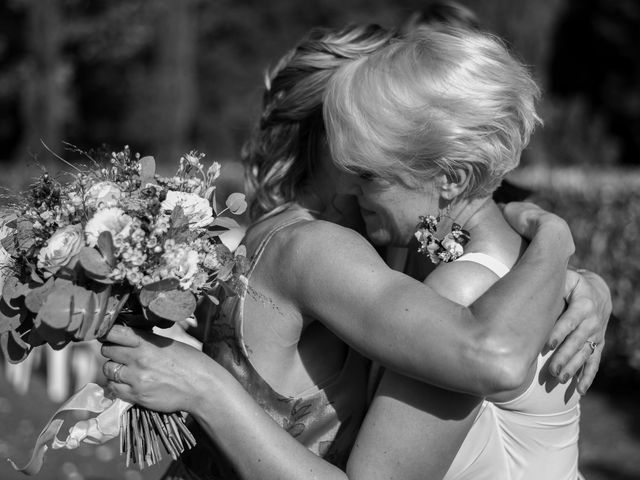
565, 378
553, 344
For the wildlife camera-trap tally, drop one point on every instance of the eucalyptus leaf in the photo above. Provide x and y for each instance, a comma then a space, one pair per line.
13, 289
152, 290
83, 309
236, 203
9, 244
37, 296
173, 305
14, 348
95, 265
107, 249
110, 315
162, 285
10, 318
24, 238
55, 338
91, 318
59, 309
150, 320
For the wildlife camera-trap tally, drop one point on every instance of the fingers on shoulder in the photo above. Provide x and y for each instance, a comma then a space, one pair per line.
581, 313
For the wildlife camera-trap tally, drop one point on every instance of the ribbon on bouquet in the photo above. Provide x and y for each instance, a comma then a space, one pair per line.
95, 430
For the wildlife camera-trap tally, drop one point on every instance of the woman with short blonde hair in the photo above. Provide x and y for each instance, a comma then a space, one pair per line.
283, 394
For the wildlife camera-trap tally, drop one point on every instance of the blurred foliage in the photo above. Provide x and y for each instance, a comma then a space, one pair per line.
603, 210
596, 58
170, 75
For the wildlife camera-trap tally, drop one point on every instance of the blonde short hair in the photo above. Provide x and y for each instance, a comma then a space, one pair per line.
430, 102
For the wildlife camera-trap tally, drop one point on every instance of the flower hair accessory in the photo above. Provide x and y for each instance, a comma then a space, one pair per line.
446, 250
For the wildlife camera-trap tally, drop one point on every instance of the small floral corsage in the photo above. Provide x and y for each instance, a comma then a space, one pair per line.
446, 250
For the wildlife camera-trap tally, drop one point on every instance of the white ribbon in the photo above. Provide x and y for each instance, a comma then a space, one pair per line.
96, 430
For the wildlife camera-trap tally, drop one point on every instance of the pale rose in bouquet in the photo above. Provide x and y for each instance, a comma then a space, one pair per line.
116, 243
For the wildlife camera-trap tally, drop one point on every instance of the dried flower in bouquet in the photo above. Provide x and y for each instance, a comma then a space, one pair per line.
115, 243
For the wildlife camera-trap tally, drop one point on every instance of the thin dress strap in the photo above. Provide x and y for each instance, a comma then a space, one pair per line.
263, 243
496, 266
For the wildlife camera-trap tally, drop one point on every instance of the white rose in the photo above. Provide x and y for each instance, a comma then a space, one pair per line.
65, 244
103, 194
197, 209
112, 220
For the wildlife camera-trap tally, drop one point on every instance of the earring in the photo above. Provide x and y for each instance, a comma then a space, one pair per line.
450, 248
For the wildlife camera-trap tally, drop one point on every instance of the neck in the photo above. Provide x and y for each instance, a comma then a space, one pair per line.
467, 213
309, 199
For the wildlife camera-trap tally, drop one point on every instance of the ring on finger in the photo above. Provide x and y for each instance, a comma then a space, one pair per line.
592, 345
116, 373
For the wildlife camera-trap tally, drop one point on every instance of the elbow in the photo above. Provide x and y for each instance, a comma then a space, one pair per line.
501, 367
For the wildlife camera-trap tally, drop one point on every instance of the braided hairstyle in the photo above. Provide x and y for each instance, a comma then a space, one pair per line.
441, 13
283, 149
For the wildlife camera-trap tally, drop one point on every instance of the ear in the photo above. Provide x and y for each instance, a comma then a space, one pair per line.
455, 182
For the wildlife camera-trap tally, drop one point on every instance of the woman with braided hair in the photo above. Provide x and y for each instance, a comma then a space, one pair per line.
318, 293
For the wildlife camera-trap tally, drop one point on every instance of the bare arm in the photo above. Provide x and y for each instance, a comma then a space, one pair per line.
338, 278
413, 430
165, 375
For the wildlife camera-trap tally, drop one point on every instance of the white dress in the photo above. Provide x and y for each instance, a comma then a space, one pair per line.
531, 437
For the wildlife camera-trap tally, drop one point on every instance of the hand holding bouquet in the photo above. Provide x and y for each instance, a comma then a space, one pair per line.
115, 243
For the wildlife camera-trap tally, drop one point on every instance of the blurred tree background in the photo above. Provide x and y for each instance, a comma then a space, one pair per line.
168, 76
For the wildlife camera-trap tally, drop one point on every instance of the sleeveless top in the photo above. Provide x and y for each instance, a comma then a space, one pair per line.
325, 418
531, 437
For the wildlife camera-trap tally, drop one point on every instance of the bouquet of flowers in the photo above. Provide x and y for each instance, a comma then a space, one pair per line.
115, 243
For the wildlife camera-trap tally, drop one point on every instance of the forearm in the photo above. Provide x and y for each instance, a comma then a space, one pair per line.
518, 312
488, 347
257, 447
406, 326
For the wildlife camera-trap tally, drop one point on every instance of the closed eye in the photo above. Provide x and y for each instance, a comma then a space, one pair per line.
366, 176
